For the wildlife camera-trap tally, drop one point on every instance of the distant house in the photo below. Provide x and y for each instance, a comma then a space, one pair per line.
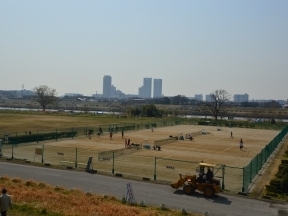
138, 100
285, 106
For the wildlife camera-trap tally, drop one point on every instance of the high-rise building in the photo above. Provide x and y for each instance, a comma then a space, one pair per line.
113, 91
157, 88
241, 97
147, 86
107, 81
208, 98
199, 97
140, 92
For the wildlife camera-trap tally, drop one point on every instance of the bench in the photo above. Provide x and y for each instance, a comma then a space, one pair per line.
134, 145
146, 146
69, 163
82, 165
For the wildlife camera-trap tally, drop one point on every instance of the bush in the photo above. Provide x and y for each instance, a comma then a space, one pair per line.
284, 171
276, 183
284, 161
41, 137
284, 183
281, 167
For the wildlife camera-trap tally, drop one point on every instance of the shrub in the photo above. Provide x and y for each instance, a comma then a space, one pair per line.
281, 167
16, 180
284, 183
4, 178
31, 183
284, 161
284, 171
276, 182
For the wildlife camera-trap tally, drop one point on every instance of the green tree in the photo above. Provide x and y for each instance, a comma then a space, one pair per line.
166, 100
148, 110
179, 99
45, 96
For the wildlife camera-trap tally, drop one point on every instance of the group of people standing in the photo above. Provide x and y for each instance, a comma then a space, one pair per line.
127, 143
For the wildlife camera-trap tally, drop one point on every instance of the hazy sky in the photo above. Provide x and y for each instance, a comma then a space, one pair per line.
196, 47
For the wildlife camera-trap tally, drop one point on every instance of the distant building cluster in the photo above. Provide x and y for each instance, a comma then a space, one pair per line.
241, 97
238, 98
150, 89
145, 91
16, 93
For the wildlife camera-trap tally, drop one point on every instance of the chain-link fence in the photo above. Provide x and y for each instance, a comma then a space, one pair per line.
37, 136
127, 161
253, 167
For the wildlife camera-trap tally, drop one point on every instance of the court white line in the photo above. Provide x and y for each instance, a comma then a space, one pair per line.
227, 149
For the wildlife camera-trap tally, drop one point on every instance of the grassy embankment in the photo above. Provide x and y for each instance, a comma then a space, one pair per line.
32, 198
20, 121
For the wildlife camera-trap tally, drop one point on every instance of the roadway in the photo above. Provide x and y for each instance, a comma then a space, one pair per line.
152, 194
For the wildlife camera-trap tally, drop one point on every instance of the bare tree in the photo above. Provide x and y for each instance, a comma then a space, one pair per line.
45, 96
218, 103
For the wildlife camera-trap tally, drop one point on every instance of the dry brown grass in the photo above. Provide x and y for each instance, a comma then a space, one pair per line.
74, 202
32, 121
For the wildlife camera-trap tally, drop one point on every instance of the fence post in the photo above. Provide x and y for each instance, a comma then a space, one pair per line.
155, 169
113, 164
12, 151
243, 183
37, 136
72, 133
42, 158
223, 174
251, 170
76, 162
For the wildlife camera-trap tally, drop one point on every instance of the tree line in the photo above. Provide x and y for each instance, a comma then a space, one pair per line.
217, 105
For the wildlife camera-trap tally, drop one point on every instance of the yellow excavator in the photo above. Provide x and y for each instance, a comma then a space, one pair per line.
206, 183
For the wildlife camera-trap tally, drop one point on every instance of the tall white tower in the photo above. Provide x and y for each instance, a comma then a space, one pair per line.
157, 88
107, 83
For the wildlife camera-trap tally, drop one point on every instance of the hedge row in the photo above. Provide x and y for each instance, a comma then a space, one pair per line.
235, 124
41, 137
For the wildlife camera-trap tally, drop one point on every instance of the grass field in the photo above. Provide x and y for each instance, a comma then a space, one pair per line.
32, 198
181, 156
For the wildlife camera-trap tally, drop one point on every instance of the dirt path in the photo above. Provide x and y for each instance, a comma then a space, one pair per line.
270, 171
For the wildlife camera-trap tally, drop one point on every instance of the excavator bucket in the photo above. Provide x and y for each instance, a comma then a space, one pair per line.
179, 183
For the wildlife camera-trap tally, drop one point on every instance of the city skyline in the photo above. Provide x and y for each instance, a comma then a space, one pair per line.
194, 46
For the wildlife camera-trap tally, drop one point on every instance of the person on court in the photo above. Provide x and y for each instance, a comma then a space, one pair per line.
190, 137
241, 144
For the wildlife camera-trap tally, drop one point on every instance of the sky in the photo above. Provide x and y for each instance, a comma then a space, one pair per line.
195, 47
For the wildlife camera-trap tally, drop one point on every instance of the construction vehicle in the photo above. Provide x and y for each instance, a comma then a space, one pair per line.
208, 185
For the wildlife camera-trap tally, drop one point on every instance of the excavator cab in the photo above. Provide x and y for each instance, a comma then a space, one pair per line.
204, 182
